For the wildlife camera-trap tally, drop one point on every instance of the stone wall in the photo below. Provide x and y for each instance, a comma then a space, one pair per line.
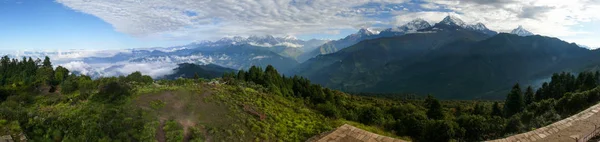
569, 129
348, 133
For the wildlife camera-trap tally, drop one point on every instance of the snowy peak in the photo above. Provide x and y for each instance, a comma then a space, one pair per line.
452, 20
410, 27
520, 31
478, 26
367, 31
416, 24
260, 40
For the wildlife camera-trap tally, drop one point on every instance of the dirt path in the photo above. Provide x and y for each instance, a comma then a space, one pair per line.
186, 107
575, 127
160, 133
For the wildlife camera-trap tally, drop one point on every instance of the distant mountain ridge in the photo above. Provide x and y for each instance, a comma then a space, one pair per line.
188, 70
451, 60
414, 26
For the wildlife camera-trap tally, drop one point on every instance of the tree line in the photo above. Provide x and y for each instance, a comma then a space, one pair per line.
27, 85
46, 103
432, 120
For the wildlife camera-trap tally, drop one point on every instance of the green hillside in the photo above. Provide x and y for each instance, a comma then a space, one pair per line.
42, 103
447, 64
188, 70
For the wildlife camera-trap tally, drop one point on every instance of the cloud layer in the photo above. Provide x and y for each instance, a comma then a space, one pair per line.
212, 19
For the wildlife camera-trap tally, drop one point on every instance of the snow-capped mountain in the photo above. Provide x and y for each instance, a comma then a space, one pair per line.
521, 31
231, 52
364, 34
454, 22
410, 27
367, 32
263, 41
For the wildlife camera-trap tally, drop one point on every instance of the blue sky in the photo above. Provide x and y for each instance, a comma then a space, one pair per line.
47, 25
108, 24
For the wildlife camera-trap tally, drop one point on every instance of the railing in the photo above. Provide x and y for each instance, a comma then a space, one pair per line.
591, 135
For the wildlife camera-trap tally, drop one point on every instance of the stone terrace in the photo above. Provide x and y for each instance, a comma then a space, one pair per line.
574, 128
347, 133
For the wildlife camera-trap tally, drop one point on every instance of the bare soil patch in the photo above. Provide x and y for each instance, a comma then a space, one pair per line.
187, 107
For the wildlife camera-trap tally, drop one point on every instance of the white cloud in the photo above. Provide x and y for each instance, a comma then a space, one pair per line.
79, 66
153, 69
545, 17
213, 19
187, 18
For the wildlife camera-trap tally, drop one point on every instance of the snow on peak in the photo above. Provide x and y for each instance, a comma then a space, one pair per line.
415, 25
453, 20
478, 26
521, 31
367, 31
290, 37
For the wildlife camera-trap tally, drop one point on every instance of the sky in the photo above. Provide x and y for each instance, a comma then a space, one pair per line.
124, 24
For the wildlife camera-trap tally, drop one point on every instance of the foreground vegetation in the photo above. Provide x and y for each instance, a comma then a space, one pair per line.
45, 103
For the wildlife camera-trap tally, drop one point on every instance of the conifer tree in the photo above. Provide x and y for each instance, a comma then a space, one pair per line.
196, 76
47, 62
514, 101
529, 96
434, 108
496, 110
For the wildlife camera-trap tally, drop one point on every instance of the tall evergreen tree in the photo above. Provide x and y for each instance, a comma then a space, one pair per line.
241, 75
496, 110
196, 76
479, 109
529, 96
47, 62
538, 95
434, 108
61, 73
514, 101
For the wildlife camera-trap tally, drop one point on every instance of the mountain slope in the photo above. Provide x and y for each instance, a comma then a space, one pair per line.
237, 57
488, 68
451, 64
187, 70
414, 26
365, 64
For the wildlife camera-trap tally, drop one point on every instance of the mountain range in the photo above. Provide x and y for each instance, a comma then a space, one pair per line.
451, 59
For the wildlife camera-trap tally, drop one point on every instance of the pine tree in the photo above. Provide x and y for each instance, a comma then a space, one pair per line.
479, 109
47, 62
241, 75
60, 74
196, 76
529, 96
514, 101
496, 110
434, 108
538, 95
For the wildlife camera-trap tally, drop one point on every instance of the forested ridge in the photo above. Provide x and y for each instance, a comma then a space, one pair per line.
45, 103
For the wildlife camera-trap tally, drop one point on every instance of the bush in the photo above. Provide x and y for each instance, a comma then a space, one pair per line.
514, 124
441, 131
112, 92
68, 86
329, 110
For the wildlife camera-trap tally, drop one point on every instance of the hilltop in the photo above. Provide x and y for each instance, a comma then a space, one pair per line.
44, 103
